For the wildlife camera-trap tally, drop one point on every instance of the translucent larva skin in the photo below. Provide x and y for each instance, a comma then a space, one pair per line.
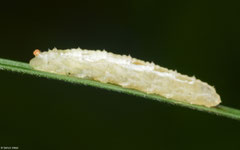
127, 72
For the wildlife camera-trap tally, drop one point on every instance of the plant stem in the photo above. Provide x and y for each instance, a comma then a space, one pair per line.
22, 67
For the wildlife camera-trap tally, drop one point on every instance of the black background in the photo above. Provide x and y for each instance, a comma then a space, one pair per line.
198, 38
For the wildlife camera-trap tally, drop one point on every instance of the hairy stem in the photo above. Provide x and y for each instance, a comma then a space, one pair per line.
22, 67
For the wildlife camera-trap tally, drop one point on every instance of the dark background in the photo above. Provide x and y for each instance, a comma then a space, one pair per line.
198, 38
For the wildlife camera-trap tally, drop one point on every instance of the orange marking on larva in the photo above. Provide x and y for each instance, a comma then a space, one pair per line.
36, 52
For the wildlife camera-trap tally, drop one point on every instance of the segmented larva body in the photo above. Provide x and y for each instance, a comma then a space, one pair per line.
127, 72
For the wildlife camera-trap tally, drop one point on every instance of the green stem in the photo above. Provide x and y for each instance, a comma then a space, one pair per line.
21, 67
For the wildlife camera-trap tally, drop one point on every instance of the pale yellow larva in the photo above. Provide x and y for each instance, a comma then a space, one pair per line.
127, 72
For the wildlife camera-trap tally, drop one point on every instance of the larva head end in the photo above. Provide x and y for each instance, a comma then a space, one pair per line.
36, 52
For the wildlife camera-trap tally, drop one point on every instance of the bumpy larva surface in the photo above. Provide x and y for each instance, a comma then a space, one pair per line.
127, 72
